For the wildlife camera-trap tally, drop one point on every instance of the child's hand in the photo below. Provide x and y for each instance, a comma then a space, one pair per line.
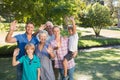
72, 18
16, 52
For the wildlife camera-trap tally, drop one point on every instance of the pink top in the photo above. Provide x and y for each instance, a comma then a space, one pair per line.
61, 52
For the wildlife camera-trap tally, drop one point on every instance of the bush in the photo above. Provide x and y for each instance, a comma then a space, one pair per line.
92, 41
7, 50
6, 26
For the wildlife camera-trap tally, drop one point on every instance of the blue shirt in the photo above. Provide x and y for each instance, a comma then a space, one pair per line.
30, 67
22, 40
43, 52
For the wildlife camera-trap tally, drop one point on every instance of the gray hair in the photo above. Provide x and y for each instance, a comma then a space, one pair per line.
49, 23
42, 32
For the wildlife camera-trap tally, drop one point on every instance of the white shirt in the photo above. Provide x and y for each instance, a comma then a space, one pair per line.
73, 42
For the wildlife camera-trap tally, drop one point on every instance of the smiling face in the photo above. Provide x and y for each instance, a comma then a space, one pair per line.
49, 30
70, 31
56, 31
29, 28
30, 48
49, 27
43, 37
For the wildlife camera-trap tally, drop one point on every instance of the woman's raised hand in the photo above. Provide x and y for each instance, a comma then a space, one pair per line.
42, 27
49, 49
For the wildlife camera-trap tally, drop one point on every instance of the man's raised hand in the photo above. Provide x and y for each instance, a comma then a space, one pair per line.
13, 25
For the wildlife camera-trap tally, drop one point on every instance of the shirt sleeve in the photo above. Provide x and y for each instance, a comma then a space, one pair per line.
17, 37
21, 59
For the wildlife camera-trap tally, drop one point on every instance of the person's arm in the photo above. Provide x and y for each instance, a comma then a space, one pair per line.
50, 52
14, 61
42, 27
73, 23
75, 54
9, 37
38, 73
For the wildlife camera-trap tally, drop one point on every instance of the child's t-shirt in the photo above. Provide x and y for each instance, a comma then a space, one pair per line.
30, 67
73, 42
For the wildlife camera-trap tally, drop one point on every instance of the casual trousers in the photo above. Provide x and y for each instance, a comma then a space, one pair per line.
19, 71
70, 74
56, 71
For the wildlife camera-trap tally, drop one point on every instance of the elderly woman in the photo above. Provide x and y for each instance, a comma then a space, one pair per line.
45, 53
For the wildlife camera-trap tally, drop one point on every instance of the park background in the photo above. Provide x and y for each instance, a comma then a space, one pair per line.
98, 27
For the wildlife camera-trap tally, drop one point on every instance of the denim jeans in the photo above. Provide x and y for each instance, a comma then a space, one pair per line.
70, 74
19, 71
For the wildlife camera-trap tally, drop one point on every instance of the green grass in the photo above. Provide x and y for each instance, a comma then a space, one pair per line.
95, 65
92, 41
7, 72
98, 65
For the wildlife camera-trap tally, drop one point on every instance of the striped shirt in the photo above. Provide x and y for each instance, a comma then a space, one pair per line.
61, 52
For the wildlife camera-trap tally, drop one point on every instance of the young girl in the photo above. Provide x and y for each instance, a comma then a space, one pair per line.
31, 63
72, 45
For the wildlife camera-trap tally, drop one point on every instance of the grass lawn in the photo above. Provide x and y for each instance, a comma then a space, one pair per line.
98, 65
95, 65
7, 72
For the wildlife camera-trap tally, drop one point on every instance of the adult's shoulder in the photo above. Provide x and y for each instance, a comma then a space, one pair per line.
18, 35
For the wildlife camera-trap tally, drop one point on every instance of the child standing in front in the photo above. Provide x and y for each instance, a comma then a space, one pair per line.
72, 45
31, 63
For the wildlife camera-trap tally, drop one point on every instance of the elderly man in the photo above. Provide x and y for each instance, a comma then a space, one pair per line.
49, 29
60, 46
22, 40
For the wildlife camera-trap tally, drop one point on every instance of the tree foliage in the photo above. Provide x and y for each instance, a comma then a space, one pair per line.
95, 16
40, 11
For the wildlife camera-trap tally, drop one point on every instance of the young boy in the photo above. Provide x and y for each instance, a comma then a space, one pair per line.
72, 45
31, 63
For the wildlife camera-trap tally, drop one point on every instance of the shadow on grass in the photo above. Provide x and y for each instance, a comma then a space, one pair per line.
99, 65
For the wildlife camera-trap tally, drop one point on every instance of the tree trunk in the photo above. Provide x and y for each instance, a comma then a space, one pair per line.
97, 30
97, 34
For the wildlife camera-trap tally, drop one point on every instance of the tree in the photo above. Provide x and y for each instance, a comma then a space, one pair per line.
40, 11
95, 16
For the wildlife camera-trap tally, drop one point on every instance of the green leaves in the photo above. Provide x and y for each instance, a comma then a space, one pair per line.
40, 11
96, 16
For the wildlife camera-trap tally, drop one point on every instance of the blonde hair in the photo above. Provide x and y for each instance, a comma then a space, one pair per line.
30, 45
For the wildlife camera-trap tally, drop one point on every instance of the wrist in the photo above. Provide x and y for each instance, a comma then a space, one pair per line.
14, 56
50, 53
11, 30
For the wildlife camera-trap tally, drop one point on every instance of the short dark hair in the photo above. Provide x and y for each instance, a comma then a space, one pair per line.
29, 23
70, 27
